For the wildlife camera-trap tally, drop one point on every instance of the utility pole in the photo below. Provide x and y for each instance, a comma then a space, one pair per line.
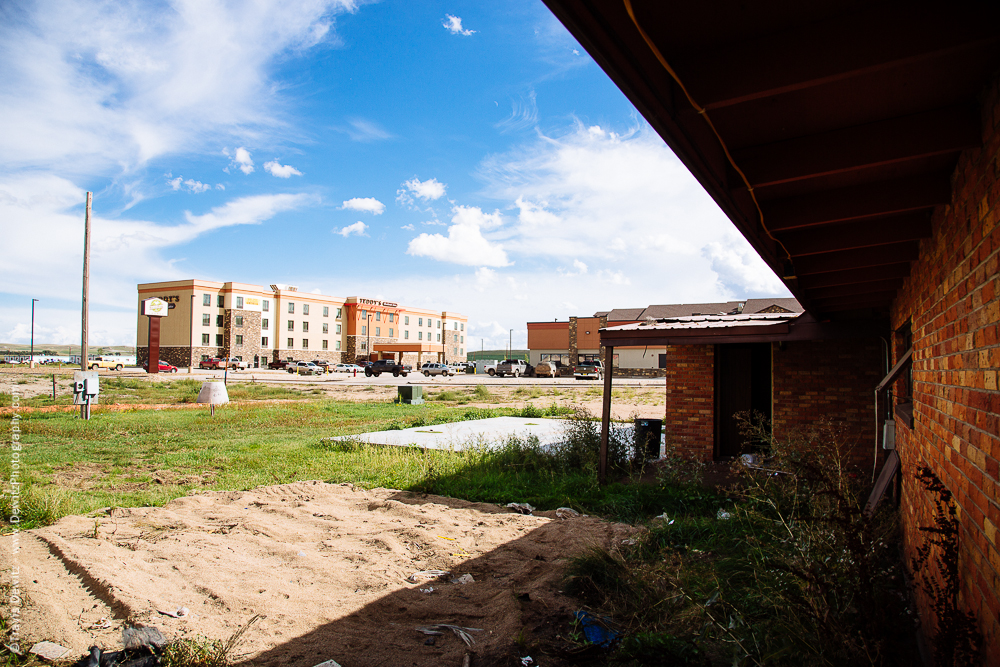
510, 344
84, 348
31, 361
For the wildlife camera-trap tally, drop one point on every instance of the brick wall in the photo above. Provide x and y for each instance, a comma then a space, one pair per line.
951, 302
834, 379
690, 414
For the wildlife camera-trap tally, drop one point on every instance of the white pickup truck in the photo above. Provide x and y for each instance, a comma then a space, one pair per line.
515, 367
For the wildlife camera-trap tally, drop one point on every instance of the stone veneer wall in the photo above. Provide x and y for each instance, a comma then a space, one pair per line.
574, 349
174, 355
952, 302
829, 380
640, 372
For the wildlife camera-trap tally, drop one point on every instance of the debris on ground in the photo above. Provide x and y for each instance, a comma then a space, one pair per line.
427, 574
464, 579
460, 632
180, 612
521, 508
138, 636
597, 629
48, 650
566, 513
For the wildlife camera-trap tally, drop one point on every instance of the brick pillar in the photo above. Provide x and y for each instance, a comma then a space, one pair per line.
574, 348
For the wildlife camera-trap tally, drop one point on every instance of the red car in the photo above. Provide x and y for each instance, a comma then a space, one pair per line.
164, 367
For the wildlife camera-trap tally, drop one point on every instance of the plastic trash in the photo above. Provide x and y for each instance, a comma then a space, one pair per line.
429, 589
460, 632
597, 630
328, 663
723, 515
521, 508
180, 612
464, 579
427, 574
566, 513
664, 517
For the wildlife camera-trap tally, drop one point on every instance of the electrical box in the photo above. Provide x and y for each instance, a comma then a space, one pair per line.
86, 387
889, 434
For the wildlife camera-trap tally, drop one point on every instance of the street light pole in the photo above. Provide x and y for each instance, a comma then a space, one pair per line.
368, 344
510, 344
31, 363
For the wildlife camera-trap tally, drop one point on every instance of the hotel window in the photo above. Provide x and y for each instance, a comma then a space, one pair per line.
463, 339
364, 314
439, 338
325, 346
239, 320
204, 339
439, 324
378, 316
218, 340
291, 343
406, 319
463, 326
391, 333
406, 334
338, 328
239, 341
206, 320
263, 341
221, 301
338, 313
239, 302
305, 327
267, 305
206, 299
291, 307
326, 328
364, 330
337, 342
264, 323
378, 331
456, 325
420, 322
326, 311
392, 317
420, 335
454, 338
305, 309
291, 325
219, 322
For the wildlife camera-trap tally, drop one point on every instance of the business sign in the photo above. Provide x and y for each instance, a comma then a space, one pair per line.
373, 302
155, 307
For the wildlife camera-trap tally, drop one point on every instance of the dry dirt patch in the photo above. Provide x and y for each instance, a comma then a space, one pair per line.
326, 564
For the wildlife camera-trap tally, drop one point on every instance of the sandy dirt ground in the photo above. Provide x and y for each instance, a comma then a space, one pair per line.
326, 566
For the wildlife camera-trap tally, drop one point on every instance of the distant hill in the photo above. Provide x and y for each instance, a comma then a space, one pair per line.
48, 348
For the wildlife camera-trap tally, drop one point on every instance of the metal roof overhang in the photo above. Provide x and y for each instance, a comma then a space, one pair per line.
802, 328
842, 120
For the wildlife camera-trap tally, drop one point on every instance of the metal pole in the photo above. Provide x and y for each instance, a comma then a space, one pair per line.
510, 344
191, 355
31, 363
84, 347
602, 463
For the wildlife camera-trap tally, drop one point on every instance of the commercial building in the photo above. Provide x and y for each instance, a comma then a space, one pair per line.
261, 324
578, 339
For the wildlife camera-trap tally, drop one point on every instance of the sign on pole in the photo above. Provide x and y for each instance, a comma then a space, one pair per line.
154, 309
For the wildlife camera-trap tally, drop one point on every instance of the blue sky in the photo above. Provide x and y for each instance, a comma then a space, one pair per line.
465, 156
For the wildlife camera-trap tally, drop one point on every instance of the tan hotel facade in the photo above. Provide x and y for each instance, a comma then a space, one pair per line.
260, 324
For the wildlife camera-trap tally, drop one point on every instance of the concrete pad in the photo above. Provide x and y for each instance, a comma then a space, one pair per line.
458, 436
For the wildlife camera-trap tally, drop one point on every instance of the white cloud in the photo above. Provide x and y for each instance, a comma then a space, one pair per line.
275, 168
190, 184
454, 26
465, 243
523, 115
408, 228
242, 161
428, 190
364, 204
579, 266
358, 229
365, 131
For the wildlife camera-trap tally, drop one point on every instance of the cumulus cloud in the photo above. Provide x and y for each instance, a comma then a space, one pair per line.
408, 228
364, 204
453, 24
465, 243
275, 168
242, 161
428, 190
190, 185
357, 229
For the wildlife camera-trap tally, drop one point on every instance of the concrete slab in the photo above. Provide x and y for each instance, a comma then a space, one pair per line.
458, 436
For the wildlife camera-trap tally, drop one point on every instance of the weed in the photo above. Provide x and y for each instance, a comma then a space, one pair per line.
481, 393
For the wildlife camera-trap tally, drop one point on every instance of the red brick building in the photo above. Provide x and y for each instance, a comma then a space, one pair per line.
855, 146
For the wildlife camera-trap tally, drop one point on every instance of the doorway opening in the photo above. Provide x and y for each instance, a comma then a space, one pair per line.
742, 384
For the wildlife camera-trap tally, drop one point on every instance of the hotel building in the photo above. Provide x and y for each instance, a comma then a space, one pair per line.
261, 324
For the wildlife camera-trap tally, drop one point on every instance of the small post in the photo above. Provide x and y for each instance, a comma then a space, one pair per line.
53, 386
602, 464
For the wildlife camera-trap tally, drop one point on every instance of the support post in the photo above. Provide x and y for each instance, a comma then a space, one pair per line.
602, 464
84, 347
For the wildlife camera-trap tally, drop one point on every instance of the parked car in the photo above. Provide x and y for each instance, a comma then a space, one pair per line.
547, 369
387, 366
280, 364
515, 367
324, 364
436, 369
589, 370
304, 368
110, 363
348, 368
164, 367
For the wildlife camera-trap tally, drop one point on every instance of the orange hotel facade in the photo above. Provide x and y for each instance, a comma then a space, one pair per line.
261, 324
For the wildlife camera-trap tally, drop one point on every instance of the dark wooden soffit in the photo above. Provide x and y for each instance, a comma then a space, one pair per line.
804, 327
846, 118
